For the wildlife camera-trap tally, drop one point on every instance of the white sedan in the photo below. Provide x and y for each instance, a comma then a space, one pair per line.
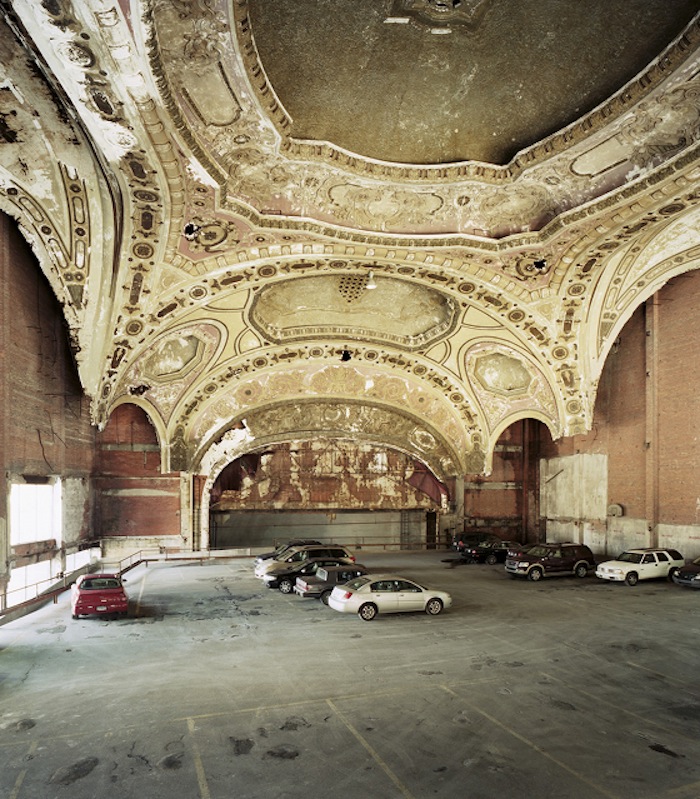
386, 593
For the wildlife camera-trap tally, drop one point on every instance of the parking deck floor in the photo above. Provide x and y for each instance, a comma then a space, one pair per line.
216, 687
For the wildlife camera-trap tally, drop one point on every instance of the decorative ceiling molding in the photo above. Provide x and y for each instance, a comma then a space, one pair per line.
201, 251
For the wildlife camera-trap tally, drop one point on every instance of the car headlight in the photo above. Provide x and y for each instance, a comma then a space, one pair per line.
523, 565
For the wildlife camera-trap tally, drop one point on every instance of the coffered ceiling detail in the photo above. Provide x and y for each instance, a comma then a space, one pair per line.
405, 223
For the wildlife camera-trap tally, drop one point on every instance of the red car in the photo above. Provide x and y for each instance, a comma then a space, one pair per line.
98, 594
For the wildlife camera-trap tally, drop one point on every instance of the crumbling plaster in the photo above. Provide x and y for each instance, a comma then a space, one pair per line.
161, 119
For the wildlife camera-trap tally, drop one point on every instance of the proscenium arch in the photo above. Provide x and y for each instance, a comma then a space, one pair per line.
236, 443
420, 390
335, 420
624, 317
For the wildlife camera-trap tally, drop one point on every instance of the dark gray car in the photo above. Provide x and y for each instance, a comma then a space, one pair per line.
325, 580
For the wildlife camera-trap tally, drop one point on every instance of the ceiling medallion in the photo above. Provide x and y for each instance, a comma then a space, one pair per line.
445, 13
408, 315
502, 374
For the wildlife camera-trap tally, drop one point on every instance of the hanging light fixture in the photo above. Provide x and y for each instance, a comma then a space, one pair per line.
370, 284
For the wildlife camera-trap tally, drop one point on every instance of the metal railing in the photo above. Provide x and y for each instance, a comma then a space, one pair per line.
50, 588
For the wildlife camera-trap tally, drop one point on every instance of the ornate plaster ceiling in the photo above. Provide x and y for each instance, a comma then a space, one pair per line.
211, 186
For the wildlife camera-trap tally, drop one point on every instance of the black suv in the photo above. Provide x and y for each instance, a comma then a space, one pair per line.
547, 560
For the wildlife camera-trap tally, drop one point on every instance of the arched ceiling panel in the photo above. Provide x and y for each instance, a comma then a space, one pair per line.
210, 231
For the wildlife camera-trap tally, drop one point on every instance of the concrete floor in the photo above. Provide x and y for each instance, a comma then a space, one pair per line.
216, 687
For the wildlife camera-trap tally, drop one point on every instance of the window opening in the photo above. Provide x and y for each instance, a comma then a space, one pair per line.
35, 512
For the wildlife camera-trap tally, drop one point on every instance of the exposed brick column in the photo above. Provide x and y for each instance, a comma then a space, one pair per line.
652, 419
4, 403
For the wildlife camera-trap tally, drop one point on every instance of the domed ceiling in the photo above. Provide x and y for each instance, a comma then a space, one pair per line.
419, 82
402, 222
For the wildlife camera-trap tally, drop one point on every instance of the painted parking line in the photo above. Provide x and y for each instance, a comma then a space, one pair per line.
204, 792
20, 777
622, 708
533, 746
691, 791
372, 752
683, 683
198, 765
138, 601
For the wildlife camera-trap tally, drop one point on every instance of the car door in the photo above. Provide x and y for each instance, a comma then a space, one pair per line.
649, 567
552, 562
383, 594
409, 596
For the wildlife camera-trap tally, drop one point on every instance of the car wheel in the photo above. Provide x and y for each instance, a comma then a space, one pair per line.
433, 606
367, 611
632, 578
534, 574
76, 616
286, 586
325, 596
491, 559
672, 572
581, 569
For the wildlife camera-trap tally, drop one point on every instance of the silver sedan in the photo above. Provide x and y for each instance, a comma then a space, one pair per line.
386, 593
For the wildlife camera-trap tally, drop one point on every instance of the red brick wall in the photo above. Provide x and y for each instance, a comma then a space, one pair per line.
619, 418
45, 424
505, 502
45, 418
619, 421
133, 497
679, 401
647, 413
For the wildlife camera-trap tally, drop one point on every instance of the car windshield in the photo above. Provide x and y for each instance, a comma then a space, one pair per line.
630, 557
